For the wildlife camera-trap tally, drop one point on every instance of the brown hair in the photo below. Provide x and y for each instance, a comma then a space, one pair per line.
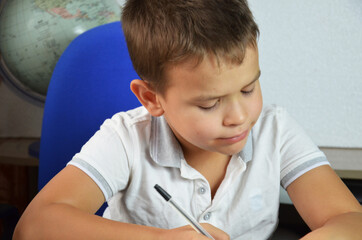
161, 33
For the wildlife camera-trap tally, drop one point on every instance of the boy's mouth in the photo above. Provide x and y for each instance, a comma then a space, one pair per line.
236, 138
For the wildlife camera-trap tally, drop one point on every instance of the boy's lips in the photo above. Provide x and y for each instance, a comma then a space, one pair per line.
235, 138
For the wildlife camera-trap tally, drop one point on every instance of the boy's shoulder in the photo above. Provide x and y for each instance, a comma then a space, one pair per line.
274, 118
271, 111
131, 117
127, 123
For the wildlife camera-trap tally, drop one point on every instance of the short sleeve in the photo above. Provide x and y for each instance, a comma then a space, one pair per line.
104, 157
298, 153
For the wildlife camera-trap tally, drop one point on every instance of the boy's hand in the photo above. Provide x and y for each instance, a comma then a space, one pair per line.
188, 233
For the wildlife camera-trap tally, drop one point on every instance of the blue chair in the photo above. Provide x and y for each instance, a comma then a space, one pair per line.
89, 84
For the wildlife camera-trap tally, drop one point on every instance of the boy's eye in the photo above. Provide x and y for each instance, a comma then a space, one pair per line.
248, 92
209, 107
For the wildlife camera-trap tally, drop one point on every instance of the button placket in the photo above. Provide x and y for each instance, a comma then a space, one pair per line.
202, 200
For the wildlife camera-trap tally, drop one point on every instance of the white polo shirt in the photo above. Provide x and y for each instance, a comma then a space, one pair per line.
133, 151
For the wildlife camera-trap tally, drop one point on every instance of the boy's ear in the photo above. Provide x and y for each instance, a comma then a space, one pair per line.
147, 97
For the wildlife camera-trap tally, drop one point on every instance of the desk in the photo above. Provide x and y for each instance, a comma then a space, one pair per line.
15, 151
18, 172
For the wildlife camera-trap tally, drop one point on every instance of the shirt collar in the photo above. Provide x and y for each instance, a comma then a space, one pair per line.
166, 151
247, 153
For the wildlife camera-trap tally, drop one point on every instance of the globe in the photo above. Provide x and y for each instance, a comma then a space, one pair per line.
34, 34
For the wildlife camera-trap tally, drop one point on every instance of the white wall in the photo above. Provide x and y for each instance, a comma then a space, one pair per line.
311, 63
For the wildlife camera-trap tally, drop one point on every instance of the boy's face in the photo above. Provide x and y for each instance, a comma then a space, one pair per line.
211, 108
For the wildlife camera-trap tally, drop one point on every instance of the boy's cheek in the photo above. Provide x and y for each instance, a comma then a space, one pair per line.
258, 105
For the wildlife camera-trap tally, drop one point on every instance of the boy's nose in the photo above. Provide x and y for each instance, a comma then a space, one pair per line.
235, 115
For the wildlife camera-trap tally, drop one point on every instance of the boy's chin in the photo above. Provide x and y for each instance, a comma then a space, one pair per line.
231, 151
236, 149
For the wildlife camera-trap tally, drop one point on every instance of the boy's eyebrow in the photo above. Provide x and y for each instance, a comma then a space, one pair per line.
209, 98
256, 78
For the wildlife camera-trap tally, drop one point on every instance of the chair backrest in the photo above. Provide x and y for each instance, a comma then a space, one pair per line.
89, 84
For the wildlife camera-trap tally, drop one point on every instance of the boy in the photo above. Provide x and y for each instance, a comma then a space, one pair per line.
201, 134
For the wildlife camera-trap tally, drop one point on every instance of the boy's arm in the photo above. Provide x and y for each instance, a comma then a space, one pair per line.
65, 207
326, 205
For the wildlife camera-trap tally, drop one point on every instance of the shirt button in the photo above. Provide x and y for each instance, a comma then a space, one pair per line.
207, 216
202, 190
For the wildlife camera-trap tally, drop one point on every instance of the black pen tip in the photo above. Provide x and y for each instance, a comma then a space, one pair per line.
163, 193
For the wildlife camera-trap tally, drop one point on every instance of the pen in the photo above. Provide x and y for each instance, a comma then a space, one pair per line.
188, 217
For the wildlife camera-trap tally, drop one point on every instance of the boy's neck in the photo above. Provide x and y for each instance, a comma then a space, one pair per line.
204, 157
211, 165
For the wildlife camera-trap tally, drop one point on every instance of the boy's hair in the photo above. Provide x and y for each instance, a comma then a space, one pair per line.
162, 33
